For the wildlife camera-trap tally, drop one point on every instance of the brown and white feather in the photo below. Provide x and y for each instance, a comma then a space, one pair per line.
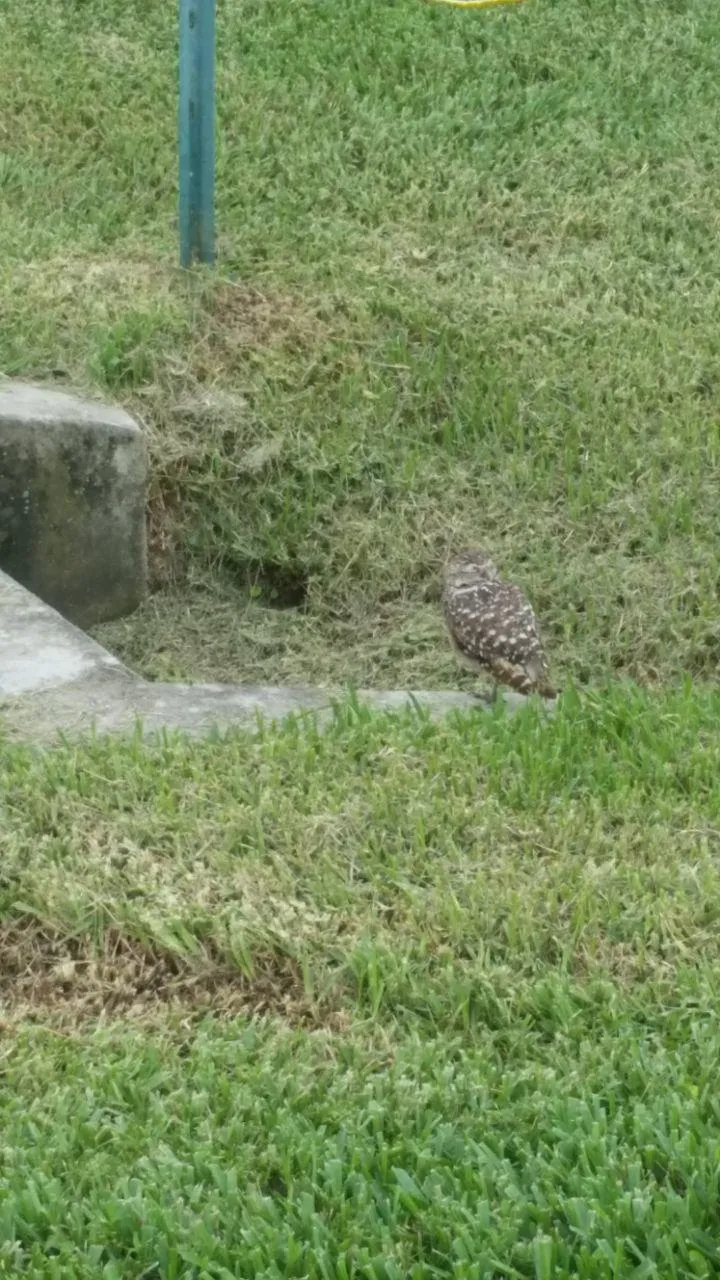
493, 626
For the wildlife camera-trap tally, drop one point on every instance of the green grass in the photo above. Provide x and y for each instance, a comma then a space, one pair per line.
258, 1153
401, 1000
467, 289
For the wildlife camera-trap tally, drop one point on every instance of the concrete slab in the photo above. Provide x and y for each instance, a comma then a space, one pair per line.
55, 680
72, 502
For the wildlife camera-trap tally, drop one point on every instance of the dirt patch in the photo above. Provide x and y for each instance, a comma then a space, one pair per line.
68, 982
240, 319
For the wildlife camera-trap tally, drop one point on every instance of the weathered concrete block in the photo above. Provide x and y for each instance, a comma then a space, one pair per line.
72, 502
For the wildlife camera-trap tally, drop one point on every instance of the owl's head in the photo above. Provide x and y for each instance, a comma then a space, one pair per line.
466, 567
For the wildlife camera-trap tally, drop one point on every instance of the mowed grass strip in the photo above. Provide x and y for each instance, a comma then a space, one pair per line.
395, 862
485, 956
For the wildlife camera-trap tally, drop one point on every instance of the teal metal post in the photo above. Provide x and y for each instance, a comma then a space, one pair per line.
197, 131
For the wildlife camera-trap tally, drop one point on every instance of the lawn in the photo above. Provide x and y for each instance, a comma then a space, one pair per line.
398, 1000
403, 999
467, 289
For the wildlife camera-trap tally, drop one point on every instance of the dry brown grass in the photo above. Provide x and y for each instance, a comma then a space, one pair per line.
71, 983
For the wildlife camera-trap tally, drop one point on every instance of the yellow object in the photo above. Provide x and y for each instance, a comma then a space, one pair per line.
477, 4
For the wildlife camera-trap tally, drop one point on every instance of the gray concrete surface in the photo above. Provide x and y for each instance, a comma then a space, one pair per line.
72, 502
55, 680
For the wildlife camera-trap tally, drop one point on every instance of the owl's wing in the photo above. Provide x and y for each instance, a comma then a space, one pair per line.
472, 618
494, 620
520, 634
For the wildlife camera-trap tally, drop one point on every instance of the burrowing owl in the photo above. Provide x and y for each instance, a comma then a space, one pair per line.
492, 626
